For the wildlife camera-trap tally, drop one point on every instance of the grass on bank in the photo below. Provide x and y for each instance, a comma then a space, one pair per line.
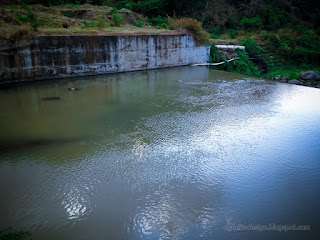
20, 22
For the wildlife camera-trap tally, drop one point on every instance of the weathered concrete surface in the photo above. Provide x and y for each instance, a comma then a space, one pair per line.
63, 56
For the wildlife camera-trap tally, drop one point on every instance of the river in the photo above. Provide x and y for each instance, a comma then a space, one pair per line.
177, 153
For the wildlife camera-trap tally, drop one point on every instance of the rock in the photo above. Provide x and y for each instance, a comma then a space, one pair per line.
318, 85
277, 78
309, 75
72, 89
286, 79
295, 81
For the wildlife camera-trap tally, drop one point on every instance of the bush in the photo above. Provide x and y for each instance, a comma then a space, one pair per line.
158, 22
67, 14
297, 47
88, 23
30, 17
215, 54
193, 27
251, 23
113, 11
244, 65
139, 24
233, 33
101, 22
117, 20
213, 36
251, 46
149, 8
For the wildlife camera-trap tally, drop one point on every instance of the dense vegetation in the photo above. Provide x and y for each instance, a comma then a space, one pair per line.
277, 33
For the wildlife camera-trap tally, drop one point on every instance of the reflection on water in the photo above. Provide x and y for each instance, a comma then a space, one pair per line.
165, 154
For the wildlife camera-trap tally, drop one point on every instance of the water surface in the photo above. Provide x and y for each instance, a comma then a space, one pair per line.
178, 153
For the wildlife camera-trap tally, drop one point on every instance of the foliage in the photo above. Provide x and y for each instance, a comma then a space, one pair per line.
193, 27
158, 22
233, 33
244, 65
67, 14
291, 71
88, 24
11, 234
117, 20
30, 17
139, 24
215, 54
213, 36
150, 8
101, 22
300, 46
113, 11
251, 23
251, 46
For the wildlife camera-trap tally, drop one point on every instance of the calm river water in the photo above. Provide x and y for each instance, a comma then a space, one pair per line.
178, 153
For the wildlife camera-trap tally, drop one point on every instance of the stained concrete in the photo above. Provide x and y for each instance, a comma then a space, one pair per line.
58, 56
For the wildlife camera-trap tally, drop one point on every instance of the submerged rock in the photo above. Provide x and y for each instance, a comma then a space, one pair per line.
295, 81
309, 75
72, 89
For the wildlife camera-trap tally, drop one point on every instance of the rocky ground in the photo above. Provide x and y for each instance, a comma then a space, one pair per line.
307, 78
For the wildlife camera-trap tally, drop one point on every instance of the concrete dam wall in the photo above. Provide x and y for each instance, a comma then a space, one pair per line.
46, 57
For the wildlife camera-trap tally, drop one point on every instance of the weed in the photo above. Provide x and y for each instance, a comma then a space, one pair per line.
159, 22
117, 20
113, 11
251, 23
101, 22
139, 24
88, 24
193, 26
233, 33
67, 14
30, 17
213, 36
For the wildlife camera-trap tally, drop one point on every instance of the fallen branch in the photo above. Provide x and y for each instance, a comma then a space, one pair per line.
214, 64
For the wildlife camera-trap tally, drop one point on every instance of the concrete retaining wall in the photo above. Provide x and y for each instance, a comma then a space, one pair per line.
64, 56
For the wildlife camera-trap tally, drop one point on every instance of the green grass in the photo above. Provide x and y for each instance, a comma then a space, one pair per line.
291, 71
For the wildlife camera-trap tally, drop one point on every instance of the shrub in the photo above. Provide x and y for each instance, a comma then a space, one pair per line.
193, 27
233, 33
159, 22
215, 54
88, 23
215, 36
117, 20
113, 11
251, 46
251, 23
244, 66
101, 22
30, 17
139, 24
150, 8
67, 14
